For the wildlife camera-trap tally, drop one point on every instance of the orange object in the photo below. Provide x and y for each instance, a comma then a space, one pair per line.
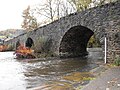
2, 48
24, 51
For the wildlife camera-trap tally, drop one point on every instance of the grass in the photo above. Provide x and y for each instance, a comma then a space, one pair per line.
117, 61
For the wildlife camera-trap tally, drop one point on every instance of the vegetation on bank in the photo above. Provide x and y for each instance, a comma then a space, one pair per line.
117, 61
93, 42
73, 81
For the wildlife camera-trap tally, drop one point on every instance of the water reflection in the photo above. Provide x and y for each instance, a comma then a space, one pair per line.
21, 75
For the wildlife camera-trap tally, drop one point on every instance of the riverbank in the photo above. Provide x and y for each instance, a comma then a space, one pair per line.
107, 78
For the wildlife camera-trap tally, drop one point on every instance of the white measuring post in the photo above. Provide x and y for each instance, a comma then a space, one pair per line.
105, 50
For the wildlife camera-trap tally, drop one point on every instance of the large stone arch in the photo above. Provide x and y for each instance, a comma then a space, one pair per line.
74, 41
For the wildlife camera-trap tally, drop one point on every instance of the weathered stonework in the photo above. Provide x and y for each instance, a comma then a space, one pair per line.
71, 33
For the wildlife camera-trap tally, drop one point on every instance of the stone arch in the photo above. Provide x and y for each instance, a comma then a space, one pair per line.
17, 44
29, 42
74, 41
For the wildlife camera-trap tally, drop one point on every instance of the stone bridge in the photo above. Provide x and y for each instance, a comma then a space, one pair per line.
70, 34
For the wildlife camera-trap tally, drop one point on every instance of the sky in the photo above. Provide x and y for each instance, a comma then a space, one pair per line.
11, 12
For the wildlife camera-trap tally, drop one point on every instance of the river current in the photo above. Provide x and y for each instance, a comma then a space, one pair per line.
26, 74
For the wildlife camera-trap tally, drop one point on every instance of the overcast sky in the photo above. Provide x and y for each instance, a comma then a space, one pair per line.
11, 12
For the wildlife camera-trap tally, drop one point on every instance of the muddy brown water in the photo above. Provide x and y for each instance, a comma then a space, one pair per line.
56, 74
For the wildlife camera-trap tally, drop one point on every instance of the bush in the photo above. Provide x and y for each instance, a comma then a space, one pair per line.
93, 42
117, 61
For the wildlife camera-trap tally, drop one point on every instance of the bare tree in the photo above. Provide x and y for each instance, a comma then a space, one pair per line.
54, 9
46, 10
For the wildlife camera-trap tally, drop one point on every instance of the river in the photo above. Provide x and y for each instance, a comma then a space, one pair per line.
26, 74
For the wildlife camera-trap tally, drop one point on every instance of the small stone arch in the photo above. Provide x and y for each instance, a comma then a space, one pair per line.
17, 44
29, 42
74, 41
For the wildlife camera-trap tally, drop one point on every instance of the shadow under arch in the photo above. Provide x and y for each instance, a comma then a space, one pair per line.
29, 42
74, 42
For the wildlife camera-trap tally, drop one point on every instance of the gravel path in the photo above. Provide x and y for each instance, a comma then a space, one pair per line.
109, 80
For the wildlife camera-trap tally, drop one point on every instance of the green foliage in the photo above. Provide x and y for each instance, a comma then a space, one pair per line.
102, 2
79, 87
88, 78
81, 4
117, 61
85, 4
93, 42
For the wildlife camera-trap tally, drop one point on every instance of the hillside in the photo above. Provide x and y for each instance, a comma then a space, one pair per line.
10, 33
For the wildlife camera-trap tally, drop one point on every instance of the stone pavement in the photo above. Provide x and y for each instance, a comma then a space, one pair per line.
109, 80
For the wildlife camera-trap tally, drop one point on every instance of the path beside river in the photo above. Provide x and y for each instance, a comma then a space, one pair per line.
108, 80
